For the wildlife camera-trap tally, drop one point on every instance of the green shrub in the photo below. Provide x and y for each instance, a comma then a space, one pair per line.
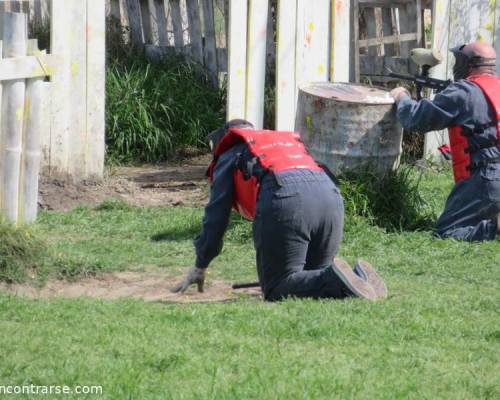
393, 201
24, 257
154, 110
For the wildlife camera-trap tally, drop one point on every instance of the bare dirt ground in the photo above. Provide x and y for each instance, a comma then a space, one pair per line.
150, 286
176, 184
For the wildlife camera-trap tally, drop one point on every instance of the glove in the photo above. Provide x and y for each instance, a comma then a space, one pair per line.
399, 92
194, 275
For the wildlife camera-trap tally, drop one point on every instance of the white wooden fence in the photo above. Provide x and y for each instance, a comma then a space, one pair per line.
457, 22
68, 123
38, 11
23, 117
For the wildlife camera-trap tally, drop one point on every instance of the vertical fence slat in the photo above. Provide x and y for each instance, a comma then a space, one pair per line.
369, 14
340, 41
134, 20
13, 99
210, 48
115, 9
177, 24
256, 61
146, 22
285, 65
193, 12
387, 30
237, 55
270, 42
96, 59
161, 22
15, 6
440, 41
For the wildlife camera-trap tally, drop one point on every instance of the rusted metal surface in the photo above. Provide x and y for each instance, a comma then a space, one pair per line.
349, 127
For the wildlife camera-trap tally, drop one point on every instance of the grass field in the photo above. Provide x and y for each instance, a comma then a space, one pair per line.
436, 337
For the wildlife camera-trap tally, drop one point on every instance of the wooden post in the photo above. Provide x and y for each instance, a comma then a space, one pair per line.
440, 41
210, 48
256, 61
14, 45
340, 41
285, 66
161, 22
37, 92
177, 24
237, 55
95, 92
497, 34
193, 12
134, 20
146, 22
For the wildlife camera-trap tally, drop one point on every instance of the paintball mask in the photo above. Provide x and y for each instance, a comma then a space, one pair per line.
471, 56
215, 136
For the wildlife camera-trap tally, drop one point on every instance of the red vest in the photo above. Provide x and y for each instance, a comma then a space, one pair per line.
459, 141
275, 151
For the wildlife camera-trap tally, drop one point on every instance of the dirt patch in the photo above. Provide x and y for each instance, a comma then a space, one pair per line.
179, 184
147, 286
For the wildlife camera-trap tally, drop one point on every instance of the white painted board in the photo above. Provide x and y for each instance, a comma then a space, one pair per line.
285, 65
341, 41
256, 61
237, 49
96, 94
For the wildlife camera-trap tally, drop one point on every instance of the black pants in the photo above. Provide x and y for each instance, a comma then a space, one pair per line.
297, 231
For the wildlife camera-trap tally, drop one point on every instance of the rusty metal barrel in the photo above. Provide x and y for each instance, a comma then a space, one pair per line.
349, 127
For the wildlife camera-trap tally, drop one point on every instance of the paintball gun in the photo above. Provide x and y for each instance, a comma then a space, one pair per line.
425, 59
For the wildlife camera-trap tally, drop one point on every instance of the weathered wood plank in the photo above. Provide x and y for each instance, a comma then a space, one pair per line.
403, 38
285, 65
13, 102
77, 87
134, 20
210, 51
161, 22
388, 30
256, 61
341, 41
96, 94
115, 10
60, 44
497, 34
177, 24
371, 30
355, 40
28, 67
237, 49
193, 12
440, 41
147, 28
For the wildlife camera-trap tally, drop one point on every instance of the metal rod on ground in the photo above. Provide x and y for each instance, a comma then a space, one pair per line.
245, 285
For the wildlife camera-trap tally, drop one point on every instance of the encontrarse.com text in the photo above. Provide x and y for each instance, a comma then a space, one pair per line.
56, 389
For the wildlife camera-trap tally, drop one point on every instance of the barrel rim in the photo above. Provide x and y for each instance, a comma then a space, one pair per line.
390, 100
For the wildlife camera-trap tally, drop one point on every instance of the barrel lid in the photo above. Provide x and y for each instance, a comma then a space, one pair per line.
348, 92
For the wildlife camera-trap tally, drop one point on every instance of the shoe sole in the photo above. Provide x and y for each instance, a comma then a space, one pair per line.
373, 278
354, 283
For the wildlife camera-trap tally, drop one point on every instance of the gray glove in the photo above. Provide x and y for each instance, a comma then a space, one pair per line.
194, 275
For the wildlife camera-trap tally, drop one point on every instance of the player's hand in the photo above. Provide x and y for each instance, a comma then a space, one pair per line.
399, 92
194, 275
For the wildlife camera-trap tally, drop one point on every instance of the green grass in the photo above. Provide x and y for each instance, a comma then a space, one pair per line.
436, 337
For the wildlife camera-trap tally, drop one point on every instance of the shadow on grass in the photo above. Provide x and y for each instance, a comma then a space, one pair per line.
239, 231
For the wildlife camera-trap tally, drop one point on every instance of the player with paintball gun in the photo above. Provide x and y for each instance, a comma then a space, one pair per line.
297, 211
470, 108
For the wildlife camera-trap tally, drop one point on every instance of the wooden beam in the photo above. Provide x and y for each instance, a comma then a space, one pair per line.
29, 67
406, 37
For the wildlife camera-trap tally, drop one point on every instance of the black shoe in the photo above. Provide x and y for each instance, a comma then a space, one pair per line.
366, 271
357, 286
